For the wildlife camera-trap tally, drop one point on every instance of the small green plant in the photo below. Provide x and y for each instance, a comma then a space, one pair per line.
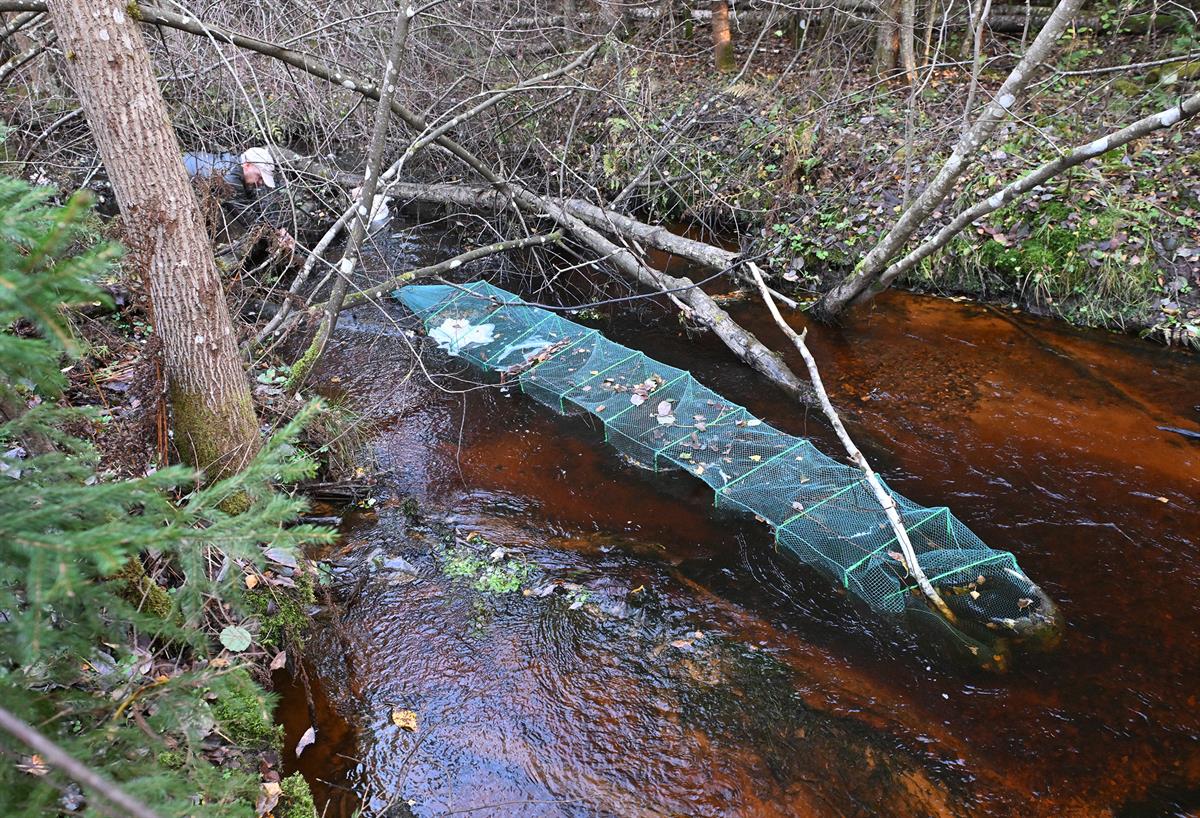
73, 655
494, 574
275, 375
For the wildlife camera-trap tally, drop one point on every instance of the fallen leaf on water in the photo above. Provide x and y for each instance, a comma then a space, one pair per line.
756, 457
1162, 499
405, 720
279, 661
637, 399
1024, 602
309, 737
664, 407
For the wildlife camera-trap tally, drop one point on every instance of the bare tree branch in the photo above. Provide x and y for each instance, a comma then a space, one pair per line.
366, 201
56, 757
864, 281
1143, 127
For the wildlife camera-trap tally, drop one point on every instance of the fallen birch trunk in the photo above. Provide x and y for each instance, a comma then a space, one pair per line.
703, 309
863, 283
1185, 110
599, 218
856, 456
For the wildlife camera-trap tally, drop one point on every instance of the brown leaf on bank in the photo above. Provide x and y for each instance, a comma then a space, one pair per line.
279, 661
268, 798
33, 765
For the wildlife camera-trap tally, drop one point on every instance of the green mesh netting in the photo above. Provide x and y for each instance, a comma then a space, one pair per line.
822, 511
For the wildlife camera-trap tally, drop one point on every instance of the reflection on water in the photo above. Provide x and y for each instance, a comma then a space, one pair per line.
792, 701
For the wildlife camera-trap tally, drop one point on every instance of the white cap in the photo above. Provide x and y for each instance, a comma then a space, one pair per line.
262, 159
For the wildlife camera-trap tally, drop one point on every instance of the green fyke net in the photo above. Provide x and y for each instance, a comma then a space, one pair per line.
822, 511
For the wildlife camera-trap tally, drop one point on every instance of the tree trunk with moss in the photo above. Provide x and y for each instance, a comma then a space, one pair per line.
109, 67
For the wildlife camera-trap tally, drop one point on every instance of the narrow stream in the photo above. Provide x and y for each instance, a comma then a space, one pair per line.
664, 661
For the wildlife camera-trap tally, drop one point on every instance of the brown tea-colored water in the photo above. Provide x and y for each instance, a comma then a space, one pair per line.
791, 700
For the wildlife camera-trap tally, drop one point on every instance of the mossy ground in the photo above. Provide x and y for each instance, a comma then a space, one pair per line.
296, 800
137, 588
283, 612
244, 713
811, 184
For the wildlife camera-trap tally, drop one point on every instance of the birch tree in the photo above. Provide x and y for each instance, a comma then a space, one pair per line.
109, 67
864, 282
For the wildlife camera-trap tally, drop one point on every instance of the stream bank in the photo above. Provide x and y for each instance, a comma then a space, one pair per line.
1041, 437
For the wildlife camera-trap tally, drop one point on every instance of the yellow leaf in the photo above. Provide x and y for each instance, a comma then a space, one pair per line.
251, 580
756, 457
405, 720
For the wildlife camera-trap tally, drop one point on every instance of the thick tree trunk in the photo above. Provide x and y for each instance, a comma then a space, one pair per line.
722, 37
887, 38
107, 62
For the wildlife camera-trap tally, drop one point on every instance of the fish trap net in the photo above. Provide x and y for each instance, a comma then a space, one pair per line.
822, 511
